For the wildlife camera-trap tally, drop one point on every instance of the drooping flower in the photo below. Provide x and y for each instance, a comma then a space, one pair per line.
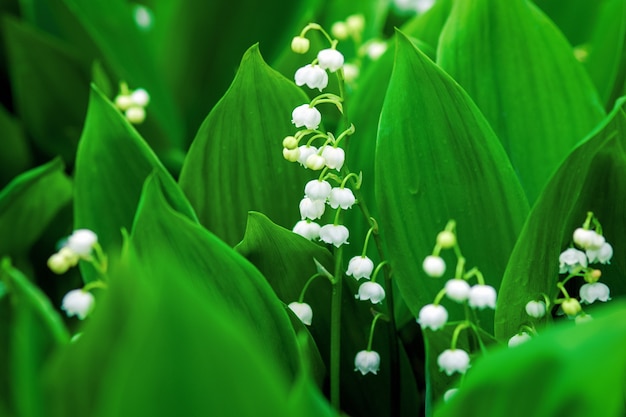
367, 361
307, 116
305, 152
518, 339
453, 360
311, 209
434, 316
341, 197
482, 296
588, 239
457, 289
571, 306
334, 234
330, 59
300, 45
571, 259
78, 303
291, 155
372, 291
434, 266
317, 190
81, 242
140, 97
307, 229
360, 267
602, 255
596, 291
313, 76
303, 311
536, 309
135, 114
315, 162
334, 156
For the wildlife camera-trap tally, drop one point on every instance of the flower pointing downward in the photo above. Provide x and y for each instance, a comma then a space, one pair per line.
360, 267
367, 361
372, 291
313, 76
78, 303
303, 311
306, 115
334, 234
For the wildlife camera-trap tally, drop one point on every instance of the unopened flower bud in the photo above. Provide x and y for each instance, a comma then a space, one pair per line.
355, 23
123, 102
340, 30
140, 97
305, 152
434, 266
290, 142
300, 45
571, 306
593, 275
536, 309
291, 155
58, 264
518, 339
135, 114
315, 162
446, 239
303, 311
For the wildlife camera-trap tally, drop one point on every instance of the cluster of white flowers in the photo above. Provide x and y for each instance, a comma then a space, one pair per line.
132, 103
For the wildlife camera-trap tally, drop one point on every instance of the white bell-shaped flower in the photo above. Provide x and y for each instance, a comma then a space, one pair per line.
571, 259
360, 267
317, 190
341, 197
303, 311
588, 239
311, 209
334, 234
307, 229
457, 289
305, 152
307, 116
330, 59
434, 266
518, 339
78, 303
335, 157
482, 296
453, 360
536, 309
315, 162
81, 242
313, 76
596, 291
601, 255
434, 316
372, 291
367, 361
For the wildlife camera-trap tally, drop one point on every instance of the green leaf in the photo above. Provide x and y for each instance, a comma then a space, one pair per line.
520, 71
235, 163
574, 371
50, 98
15, 154
437, 159
29, 203
31, 329
590, 179
112, 164
167, 240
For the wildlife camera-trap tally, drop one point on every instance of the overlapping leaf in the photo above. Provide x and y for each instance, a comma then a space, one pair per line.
590, 179
15, 155
235, 163
520, 71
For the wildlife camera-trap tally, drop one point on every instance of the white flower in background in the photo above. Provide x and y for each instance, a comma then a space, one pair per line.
317, 190
355, 23
300, 45
596, 291
367, 361
335, 157
291, 155
447, 396
290, 142
350, 72
372, 291
313, 76
307, 229
334, 234
457, 289
341, 197
330, 59
304, 115
81, 242
602, 255
588, 239
583, 318
453, 360
143, 17
536, 309
78, 303
360, 267
518, 339
311, 209
303, 311
305, 152
434, 316
135, 114
482, 296
434, 266
340, 30
315, 162
140, 97
571, 259
375, 49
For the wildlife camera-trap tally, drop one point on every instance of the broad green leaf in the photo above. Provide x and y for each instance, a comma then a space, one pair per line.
575, 18
29, 203
112, 164
438, 159
590, 179
31, 329
520, 71
15, 154
576, 371
235, 163
49, 98
167, 240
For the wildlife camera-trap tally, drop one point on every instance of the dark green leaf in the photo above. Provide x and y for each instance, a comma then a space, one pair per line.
235, 163
15, 154
521, 72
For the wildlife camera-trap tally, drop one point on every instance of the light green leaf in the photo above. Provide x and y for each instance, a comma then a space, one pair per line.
590, 179
235, 163
576, 371
520, 71
29, 203
437, 159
